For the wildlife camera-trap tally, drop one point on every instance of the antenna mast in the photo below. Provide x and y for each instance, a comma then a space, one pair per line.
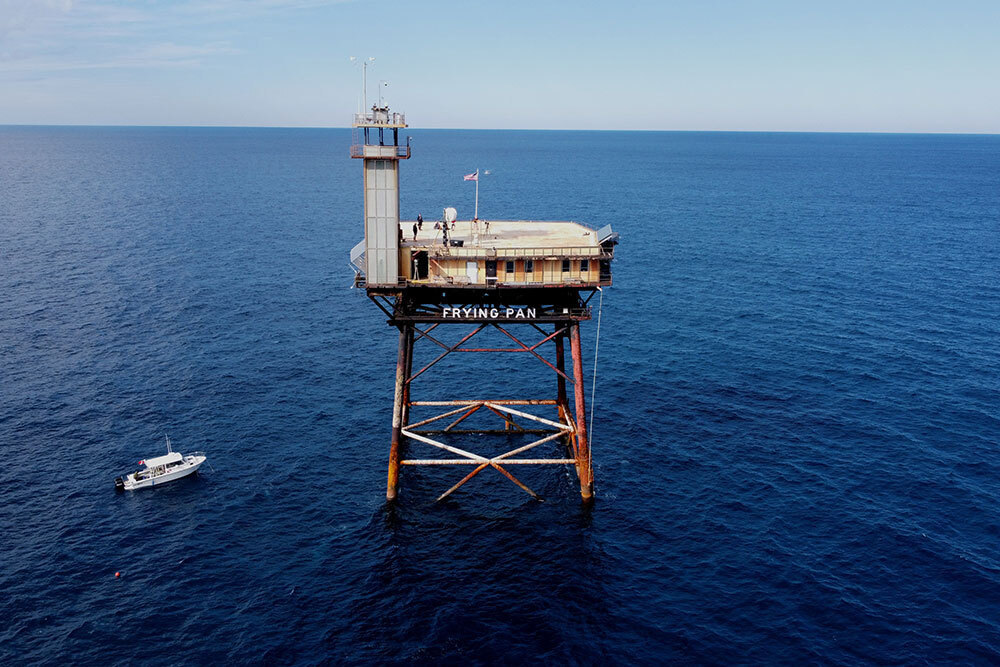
364, 77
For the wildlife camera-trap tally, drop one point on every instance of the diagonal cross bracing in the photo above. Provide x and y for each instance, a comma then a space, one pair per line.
453, 450
446, 353
426, 334
525, 348
441, 416
482, 462
502, 408
456, 348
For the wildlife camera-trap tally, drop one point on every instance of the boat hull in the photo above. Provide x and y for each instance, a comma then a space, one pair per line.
133, 482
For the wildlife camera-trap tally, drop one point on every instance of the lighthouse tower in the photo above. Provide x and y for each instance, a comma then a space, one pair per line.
376, 141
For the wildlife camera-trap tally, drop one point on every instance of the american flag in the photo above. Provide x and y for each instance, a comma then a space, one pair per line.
474, 176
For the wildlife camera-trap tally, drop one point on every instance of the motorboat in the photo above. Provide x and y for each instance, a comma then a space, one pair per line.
161, 469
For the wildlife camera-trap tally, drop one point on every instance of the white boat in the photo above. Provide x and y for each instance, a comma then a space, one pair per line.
161, 469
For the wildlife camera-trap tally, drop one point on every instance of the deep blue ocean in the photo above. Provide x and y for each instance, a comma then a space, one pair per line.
796, 437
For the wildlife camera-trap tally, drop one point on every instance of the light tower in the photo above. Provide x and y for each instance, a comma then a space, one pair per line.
376, 141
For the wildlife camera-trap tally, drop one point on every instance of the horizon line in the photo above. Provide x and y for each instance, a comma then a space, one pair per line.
503, 129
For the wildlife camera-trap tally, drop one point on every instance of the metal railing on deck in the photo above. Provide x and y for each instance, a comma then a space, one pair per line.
359, 150
380, 118
505, 253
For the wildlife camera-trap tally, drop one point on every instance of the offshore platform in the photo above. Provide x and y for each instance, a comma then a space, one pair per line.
527, 276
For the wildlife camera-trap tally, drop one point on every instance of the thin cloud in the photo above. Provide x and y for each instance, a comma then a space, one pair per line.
23, 15
59, 35
162, 55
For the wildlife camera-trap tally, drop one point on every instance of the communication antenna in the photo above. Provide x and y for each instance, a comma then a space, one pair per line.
364, 76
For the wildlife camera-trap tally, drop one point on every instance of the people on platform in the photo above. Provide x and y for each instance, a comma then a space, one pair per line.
420, 222
414, 231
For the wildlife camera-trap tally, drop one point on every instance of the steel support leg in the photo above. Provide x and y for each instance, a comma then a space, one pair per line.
409, 372
562, 407
397, 415
582, 444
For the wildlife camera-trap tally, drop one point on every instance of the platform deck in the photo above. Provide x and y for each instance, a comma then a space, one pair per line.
506, 234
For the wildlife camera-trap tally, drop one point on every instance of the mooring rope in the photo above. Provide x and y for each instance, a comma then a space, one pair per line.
593, 381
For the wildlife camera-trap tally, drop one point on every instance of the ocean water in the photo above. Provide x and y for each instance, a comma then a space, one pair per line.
797, 418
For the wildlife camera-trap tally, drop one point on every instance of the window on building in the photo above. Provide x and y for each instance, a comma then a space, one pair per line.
529, 266
584, 265
510, 267
565, 266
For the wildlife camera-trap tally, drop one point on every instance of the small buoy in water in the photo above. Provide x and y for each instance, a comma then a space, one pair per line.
118, 574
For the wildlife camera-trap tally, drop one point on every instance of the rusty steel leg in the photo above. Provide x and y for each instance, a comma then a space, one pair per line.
397, 416
562, 406
409, 372
561, 381
582, 444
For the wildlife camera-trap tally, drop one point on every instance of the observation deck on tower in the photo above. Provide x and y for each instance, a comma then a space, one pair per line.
380, 119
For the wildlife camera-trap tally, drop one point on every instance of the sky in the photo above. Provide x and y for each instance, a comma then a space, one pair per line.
766, 65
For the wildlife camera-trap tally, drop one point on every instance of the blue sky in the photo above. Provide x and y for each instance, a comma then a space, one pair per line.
883, 66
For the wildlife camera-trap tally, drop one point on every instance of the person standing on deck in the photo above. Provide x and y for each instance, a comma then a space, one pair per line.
414, 231
420, 222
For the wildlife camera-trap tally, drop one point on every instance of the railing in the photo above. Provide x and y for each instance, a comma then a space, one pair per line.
383, 118
358, 255
390, 152
464, 281
504, 253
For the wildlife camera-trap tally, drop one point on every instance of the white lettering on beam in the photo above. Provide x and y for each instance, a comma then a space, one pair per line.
508, 313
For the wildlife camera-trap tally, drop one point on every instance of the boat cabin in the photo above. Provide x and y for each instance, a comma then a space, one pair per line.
167, 461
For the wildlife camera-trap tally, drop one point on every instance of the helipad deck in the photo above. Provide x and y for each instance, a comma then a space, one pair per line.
507, 234
506, 253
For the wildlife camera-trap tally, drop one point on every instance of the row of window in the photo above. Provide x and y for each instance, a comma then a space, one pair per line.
529, 266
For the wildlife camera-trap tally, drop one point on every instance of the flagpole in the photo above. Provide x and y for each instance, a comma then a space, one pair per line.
476, 216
